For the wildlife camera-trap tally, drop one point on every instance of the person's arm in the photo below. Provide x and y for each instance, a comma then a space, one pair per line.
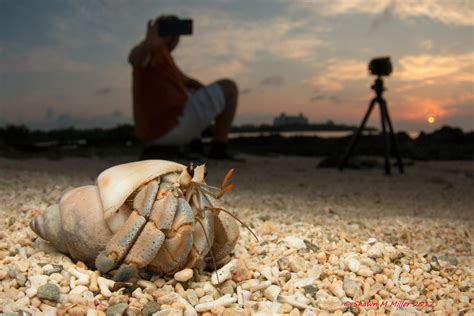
142, 54
191, 83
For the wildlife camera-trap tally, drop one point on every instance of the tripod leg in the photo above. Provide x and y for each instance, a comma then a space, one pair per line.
394, 140
356, 136
385, 136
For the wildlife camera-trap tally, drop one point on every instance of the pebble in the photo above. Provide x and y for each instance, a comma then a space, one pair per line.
222, 301
321, 256
351, 288
82, 278
117, 309
294, 242
310, 290
183, 275
365, 272
52, 268
299, 283
272, 292
20, 278
294, 300
225, 272
353, 264
150, 308
105, 285
330, 303
283, 263
297, 264
48, 292
3, 274
192, 297
336, 289
375, 251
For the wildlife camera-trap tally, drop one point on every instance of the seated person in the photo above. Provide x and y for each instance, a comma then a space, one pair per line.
171, 108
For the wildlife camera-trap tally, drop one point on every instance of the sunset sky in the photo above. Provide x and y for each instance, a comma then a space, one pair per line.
64, 62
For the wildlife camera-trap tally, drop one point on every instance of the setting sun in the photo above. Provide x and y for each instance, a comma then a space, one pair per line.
431, 119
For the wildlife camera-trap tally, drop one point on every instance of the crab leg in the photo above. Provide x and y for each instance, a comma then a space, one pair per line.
179, 239
125, 237
120, 243
142, 252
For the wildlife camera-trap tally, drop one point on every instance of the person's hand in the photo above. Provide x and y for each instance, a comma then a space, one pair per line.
152, 38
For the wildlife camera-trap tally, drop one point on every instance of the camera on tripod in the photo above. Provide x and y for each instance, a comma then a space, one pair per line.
380, 66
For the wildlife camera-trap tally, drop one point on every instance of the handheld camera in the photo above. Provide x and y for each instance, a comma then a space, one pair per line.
175, 27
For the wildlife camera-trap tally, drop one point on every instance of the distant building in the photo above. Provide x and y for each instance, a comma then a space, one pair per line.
285, 120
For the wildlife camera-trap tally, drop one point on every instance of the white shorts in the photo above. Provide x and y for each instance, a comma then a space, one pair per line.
201, 108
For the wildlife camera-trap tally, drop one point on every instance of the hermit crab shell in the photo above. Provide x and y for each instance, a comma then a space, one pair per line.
117, 183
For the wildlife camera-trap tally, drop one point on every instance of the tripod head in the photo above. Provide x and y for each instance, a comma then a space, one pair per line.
378, 86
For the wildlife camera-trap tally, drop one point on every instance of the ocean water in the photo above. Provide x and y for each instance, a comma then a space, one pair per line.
322, 134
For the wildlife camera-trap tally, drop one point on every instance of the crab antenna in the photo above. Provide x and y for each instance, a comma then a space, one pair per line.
210, 247
236, 218
225, 190
227, 177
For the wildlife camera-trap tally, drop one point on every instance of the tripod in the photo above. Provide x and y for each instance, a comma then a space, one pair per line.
378, 87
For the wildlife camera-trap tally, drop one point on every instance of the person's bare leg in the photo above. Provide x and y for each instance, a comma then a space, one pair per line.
224, 120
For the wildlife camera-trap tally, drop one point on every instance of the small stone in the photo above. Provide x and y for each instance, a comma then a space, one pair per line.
20, 278
333, 260
56, 268
272, 292
38, 280
294, 242
353, 264
117, 309
312, 247
336, 289
310, 289
365, 272
77, 311
3, 274
228, 287
150, 308
283, 263
242, 273
192, 297
375, 251
329, 303
183, 275
321, 256
351, 288
48, 292
297, 264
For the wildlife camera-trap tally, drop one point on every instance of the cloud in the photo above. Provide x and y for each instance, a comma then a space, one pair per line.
323, 97
41, 60
448, 12
275, 81
245, 91
422, 67
337, 72
427, 44
103, 91
241, 42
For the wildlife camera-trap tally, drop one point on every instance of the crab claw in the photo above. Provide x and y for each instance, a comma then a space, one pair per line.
226, 233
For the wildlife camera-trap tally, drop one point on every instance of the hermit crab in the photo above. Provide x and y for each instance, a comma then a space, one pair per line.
152, 214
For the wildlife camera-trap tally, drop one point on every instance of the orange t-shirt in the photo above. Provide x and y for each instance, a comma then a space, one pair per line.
159, 96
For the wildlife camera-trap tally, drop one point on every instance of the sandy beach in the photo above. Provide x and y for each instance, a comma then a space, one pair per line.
330, 242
